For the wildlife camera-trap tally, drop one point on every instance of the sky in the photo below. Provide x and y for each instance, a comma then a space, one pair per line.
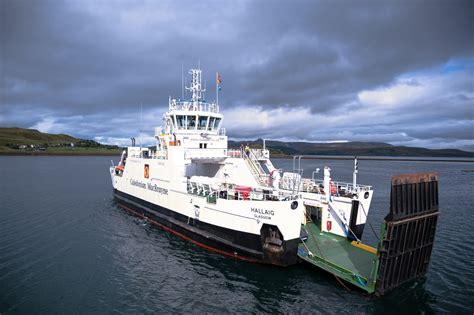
400, 72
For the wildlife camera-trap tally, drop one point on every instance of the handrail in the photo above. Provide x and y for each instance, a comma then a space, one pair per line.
346, 185
235, 153
194, 106
297, 170
256, 162
158, 155
257, 170
233, 194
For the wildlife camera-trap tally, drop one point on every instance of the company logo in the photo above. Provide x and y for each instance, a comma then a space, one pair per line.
146, 171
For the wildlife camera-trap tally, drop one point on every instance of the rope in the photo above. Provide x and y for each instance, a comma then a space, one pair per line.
360, 280
371, 227
307, 249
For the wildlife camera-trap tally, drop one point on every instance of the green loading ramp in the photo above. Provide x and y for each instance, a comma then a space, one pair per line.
339, 256
407, 237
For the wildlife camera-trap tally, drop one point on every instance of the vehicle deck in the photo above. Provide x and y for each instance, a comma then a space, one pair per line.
339, 256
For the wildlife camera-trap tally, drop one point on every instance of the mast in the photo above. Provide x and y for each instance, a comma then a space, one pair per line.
182, 82
354, 174
196, 86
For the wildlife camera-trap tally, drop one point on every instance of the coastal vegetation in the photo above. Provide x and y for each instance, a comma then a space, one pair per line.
32, 142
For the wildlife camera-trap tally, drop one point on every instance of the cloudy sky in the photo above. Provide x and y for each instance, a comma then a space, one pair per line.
400, 72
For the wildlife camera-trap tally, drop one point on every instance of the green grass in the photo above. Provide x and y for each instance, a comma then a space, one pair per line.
62, 151
31, 136
51, 144
81, 150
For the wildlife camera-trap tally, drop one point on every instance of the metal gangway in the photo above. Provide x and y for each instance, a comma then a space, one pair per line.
256, 168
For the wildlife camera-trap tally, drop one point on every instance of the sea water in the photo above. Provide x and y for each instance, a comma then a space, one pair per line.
65, 247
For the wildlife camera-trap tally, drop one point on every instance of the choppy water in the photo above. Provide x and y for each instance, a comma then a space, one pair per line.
65, 247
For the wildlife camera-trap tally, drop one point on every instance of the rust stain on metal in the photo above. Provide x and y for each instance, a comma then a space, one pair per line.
414, 178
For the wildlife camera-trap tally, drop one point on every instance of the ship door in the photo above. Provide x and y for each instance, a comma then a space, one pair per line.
314, 214
197, 211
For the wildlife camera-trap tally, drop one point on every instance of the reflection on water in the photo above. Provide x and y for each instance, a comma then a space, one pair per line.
66, 247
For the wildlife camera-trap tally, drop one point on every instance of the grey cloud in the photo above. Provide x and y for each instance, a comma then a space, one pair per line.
96, 59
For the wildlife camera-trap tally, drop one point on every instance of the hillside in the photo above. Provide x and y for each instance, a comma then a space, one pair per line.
349, 148
30, 141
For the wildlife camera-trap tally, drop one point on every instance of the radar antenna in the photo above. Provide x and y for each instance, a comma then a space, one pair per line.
196, 87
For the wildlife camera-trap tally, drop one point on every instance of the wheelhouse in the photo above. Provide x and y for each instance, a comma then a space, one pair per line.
203, 121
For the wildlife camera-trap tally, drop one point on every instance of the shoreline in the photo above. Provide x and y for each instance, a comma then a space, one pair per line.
307, 157
382, 158
59, 154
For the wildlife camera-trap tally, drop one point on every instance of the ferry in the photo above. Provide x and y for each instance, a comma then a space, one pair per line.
232, 201
235, 201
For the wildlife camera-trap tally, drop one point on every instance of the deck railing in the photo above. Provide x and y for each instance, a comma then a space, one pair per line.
317, 185
194, 106
231, 193
258, 154
159, 154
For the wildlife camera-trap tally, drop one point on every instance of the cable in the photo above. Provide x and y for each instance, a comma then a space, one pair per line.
345, 225
371, 227
322, 256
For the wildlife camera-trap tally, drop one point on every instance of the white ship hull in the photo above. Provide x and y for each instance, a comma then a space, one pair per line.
235, 228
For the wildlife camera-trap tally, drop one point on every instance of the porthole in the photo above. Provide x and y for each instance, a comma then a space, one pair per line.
294, 205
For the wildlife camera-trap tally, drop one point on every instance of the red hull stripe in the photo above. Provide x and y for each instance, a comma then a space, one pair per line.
211, 249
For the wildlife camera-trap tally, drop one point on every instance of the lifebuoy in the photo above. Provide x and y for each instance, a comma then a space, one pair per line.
333, 188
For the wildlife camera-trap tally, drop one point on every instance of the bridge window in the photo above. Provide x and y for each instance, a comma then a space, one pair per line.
191, 122
173, 121
180, 119
216, 124
202, 122
211, 123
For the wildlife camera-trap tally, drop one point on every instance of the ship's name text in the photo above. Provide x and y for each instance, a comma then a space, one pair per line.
149, 186
262, 213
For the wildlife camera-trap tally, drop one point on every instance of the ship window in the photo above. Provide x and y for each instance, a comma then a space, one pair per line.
173, 118
202, 122
216, 124
211, 123
191, 122
180, 121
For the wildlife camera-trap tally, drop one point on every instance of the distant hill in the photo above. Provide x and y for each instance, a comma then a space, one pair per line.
31, 136
31, 141
349, 148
